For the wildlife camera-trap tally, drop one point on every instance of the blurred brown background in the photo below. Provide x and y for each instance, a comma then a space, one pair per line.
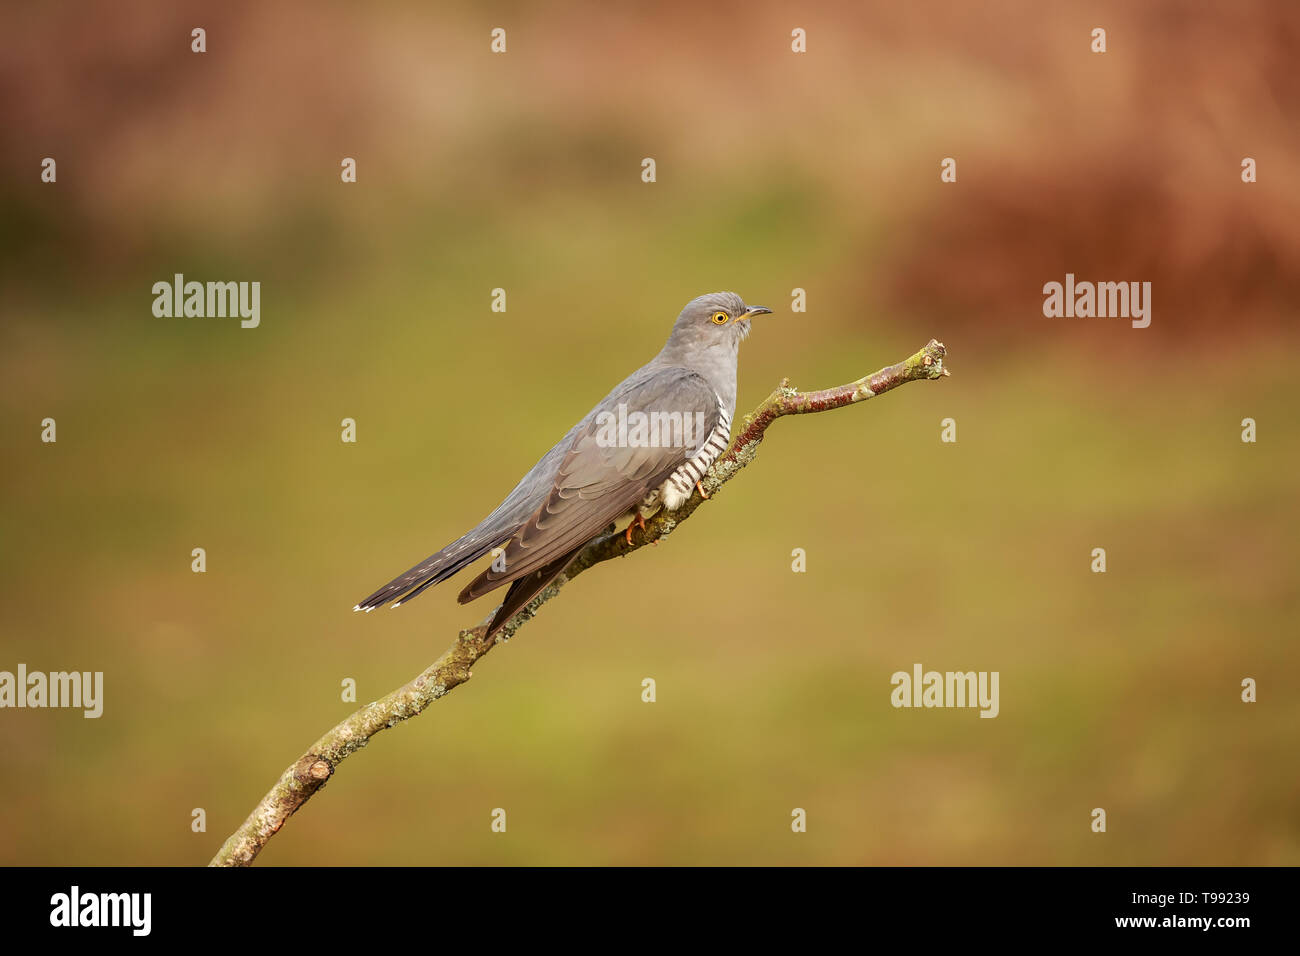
775, 171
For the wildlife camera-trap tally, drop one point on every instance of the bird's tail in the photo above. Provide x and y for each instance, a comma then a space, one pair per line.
438, 567
522, 590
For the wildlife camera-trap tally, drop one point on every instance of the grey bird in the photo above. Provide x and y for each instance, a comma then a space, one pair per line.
645, 446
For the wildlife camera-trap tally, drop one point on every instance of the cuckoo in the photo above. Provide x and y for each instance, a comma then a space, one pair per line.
645, 446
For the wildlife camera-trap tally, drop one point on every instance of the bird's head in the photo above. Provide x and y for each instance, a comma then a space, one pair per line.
719, 318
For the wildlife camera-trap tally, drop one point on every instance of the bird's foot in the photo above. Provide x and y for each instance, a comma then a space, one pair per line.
638, 521
700, 488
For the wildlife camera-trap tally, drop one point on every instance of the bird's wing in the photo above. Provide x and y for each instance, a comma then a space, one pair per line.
599, 481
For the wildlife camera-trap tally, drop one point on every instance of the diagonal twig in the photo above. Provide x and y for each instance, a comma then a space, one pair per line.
311, 771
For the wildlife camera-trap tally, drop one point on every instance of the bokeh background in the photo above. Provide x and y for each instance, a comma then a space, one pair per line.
775, 171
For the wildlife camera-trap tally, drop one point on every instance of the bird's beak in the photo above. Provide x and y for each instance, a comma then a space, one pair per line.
754, 310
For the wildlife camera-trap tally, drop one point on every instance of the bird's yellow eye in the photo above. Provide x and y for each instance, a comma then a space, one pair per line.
720, 318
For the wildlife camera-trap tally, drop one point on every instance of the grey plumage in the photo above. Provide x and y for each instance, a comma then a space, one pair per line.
586, 481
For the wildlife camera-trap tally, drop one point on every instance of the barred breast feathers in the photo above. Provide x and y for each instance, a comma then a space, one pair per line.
677, 489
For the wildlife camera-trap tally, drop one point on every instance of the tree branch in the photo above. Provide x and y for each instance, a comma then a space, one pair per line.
310, 771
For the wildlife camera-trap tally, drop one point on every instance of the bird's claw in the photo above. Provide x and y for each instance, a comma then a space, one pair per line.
637, 522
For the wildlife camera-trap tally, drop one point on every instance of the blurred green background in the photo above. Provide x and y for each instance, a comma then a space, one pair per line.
775, 171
